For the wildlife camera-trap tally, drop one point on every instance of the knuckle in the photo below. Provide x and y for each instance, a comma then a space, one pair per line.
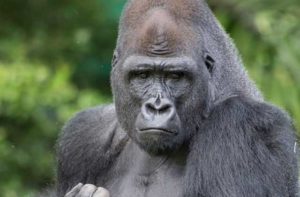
102, 189
89, 186
101, 192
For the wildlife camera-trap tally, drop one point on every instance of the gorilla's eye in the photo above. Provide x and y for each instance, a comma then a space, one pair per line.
142, 74
175, 75
209, 62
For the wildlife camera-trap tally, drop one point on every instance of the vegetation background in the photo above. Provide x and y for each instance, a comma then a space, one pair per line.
55, 60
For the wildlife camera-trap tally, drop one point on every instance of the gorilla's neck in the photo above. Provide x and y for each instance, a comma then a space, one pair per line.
144, 163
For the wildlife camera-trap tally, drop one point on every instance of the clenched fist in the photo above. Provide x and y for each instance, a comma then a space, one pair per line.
87, 190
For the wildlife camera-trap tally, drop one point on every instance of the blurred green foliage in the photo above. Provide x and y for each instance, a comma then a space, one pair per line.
55, 60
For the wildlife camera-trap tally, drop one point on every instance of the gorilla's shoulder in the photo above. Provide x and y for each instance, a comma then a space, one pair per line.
253, 113
94, 115
257, 119
93, 122
92, 134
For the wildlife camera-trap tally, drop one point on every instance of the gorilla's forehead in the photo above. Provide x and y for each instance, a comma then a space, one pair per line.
184, 62
160, 33
157, 35
180, 9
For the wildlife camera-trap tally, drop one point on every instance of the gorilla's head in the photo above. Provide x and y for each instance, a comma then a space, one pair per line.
164, 75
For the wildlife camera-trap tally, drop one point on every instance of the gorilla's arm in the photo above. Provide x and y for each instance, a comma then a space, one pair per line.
87, 146
244, 148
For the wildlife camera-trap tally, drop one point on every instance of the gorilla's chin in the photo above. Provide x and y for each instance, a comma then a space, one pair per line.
156, 141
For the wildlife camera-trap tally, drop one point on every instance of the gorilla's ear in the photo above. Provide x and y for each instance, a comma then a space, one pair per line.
210, 101
209, 61
115, 58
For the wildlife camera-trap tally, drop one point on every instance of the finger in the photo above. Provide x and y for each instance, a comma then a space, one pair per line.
101, 192
87, 190
74, 190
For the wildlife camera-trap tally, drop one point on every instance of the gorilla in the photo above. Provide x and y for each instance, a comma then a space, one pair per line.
186, 120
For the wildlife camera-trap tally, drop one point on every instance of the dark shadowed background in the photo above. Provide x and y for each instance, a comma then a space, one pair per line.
55, 60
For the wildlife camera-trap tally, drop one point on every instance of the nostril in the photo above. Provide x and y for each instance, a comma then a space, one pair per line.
160, 109
151, 108
164, 109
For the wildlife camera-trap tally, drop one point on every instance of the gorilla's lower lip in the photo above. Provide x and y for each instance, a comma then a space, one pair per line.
157, 131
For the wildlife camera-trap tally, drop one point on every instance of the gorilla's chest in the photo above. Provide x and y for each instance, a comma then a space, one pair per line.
165, 181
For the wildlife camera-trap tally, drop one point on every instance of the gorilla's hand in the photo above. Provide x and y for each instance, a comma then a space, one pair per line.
87, 190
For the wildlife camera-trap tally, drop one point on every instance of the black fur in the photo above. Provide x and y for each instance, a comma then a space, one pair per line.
246, 148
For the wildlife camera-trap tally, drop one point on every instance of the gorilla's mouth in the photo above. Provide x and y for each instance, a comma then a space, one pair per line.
157, 131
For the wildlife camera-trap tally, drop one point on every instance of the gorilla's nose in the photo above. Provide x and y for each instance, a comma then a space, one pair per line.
158, 114
163, 108
158, 107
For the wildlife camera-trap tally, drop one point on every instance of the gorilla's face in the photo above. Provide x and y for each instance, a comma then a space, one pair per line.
158, 99
159, 89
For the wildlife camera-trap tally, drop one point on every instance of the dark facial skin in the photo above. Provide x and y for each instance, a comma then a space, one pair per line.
160, 88
160, 85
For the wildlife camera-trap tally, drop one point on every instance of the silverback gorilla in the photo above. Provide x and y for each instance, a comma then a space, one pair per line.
186, 119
